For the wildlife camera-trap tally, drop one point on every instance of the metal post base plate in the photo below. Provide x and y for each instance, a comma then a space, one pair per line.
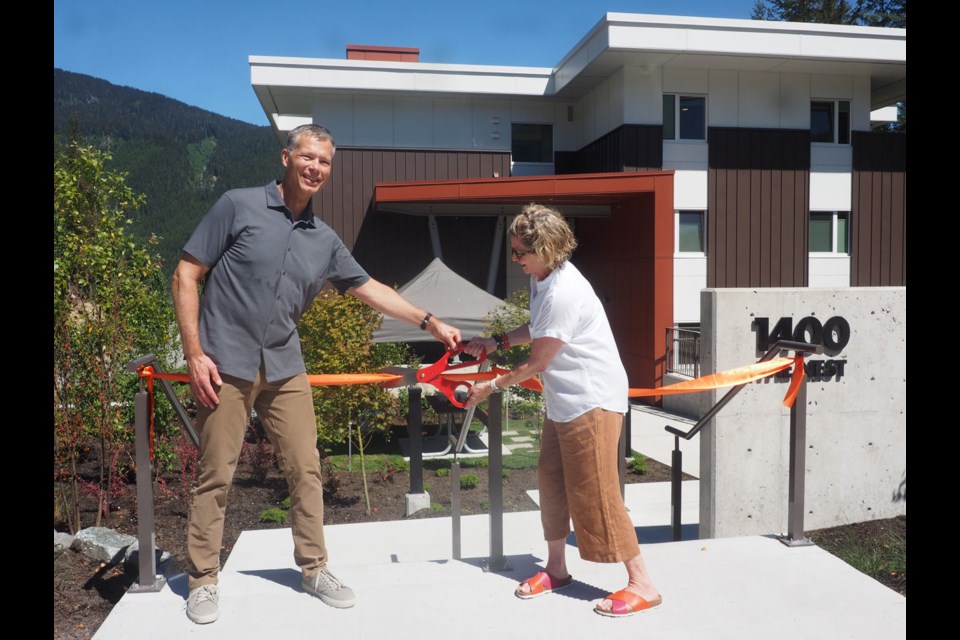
158, 584
796, 542
501, 564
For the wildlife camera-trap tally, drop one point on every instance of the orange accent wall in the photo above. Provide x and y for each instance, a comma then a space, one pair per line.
629, 260
627, 257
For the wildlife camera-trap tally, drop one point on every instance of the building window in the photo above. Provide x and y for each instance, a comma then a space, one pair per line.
830, 121
684, 117
830, 232
532, 142
691, 236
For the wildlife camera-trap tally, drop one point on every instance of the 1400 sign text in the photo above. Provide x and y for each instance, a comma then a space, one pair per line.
834, 334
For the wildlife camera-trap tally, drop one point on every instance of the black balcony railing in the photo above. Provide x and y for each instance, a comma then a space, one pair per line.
683, 351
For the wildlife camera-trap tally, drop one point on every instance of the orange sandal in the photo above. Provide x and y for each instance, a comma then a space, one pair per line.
627, 603
541, 584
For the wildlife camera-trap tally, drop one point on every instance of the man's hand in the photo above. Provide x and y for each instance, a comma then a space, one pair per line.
203, 377
477, 346
448, 335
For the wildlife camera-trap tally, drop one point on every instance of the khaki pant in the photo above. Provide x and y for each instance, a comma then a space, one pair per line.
578, 479
286, 409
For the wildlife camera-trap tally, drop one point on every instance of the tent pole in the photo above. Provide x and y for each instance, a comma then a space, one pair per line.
495, 255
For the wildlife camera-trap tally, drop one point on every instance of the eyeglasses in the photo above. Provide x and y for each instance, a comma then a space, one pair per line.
521, 254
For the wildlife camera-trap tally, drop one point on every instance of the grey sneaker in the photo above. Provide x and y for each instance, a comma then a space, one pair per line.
329, 589
203, 604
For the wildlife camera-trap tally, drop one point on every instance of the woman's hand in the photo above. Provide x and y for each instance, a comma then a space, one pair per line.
477, 394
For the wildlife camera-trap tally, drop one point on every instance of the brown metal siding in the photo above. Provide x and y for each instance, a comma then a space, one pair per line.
878, 236
629, 147
758, 198
393, 247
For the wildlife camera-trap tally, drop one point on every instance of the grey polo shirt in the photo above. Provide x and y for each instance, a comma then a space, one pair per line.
265, 270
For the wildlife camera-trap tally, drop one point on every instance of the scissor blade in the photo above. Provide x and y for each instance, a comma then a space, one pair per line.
408, 377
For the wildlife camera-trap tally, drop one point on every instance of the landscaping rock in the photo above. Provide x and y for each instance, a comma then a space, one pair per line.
62, 540
105, 545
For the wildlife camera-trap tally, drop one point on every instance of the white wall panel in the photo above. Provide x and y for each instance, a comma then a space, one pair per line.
335, 112
372, 121
686, 81
588, 123
531, 111
829, 271
794, 101
617, 94
684, 154
603, 113
452, 123
830, 191
413, 122
690, 190
491, 124
759, 99
839, 87
860, 116
642, 103
689, 277
722, 106
565, 132
831, 158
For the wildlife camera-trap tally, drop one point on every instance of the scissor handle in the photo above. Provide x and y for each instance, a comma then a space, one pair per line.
431, 375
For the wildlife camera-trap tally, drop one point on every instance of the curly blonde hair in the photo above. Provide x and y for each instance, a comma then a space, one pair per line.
545, 230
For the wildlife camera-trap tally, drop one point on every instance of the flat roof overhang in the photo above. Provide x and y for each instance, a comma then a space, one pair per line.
576, 195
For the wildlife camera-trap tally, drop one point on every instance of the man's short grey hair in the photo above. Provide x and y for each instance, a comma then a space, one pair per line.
314, 131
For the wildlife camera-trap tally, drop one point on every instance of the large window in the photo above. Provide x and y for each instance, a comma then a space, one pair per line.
684, 117
691, 232
830, 121
532, 142
830, 232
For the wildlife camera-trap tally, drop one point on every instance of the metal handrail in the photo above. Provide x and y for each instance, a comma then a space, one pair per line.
186, 423
798, 431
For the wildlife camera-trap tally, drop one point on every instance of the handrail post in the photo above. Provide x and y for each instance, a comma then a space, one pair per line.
676, 477
798, 459
147, 580
496, 561
414, 428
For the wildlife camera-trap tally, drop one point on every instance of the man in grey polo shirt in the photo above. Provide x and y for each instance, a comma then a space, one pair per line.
263, 257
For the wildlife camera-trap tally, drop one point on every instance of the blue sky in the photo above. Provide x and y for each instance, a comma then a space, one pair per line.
197, 50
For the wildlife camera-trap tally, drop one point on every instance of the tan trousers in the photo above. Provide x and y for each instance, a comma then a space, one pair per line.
286, 409
577, 476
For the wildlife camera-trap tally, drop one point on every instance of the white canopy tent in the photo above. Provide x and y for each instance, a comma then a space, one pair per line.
450, 297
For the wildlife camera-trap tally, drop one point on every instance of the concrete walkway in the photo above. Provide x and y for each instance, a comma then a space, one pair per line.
408, 586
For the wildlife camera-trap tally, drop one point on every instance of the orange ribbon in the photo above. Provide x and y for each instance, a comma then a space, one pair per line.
316, 380
733, 377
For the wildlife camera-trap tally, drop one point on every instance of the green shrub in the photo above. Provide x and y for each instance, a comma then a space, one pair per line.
278, 516
469, 481
443, 473
436, 506
639, 464
286, 503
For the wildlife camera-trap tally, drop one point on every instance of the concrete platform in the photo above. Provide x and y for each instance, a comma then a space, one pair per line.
409, 587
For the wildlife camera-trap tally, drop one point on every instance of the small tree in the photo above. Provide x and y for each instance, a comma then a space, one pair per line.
336, 335
109, 307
